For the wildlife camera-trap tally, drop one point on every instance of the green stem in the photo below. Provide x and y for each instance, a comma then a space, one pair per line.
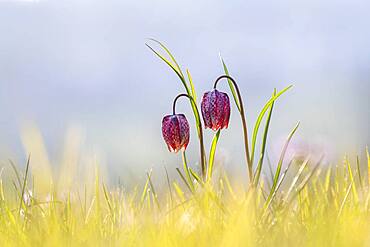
202, 155
244, 124
186, 170
212, 154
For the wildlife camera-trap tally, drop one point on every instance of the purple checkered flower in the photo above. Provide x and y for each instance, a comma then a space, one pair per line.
215, 108
175, 131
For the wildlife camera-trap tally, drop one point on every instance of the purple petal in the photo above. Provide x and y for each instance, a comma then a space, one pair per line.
205, 110
175, 131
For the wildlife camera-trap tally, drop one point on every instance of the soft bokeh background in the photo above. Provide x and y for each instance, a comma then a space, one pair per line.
77, 76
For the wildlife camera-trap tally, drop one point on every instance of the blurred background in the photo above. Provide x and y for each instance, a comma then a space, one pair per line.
78, 85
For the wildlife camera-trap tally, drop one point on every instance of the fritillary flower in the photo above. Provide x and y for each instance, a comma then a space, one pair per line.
175, 131
215, 108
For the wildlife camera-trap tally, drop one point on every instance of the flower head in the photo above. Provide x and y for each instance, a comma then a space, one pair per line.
175, 131
215, 108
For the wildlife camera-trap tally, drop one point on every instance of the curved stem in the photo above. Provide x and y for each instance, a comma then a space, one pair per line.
244, 123
202, 155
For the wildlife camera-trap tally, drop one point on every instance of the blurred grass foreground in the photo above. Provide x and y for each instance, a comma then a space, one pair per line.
312, 205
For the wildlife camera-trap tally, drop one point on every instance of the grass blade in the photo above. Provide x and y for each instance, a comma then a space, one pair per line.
228, 185
260, 117
169, 54
277, 187
193, 93
344, 200
179, 192
351, 178
196, 176
359, 171
296, 177
24, 183
212, 154
263, 147
306, 179
368, 165
106, 196
232, 89
178, 73
16, 173
186, 170
169, 185
184, 180
278, 169
153, 191
145, 190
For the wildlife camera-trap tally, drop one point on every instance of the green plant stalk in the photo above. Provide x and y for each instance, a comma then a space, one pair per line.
212, 153
201, 142
232, 89
244, 125
184, 180
263, 147
186, 170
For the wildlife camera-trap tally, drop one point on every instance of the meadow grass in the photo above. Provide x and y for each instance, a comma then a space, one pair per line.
311, 206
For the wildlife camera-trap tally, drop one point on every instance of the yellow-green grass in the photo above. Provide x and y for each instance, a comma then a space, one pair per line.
314, 206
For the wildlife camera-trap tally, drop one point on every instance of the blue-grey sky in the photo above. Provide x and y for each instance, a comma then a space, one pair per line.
84, 63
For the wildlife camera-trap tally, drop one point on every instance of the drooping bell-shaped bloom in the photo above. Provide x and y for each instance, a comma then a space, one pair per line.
175, 131
215, 108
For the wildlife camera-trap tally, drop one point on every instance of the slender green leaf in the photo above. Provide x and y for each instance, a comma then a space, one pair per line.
305, 180
145, 190
271, 173
169, 54
359, 171
186, 170
277, 187
16, 173
184, 180
24, 183
352, 179
296, 177
193, 93
212, 153
260, 117
169, 185
179, 192
196, 176
178, 73
278, 168
155, 196
263, 147
344, 200
368, 165
233, 92
228, 185
106, 196
327, 180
